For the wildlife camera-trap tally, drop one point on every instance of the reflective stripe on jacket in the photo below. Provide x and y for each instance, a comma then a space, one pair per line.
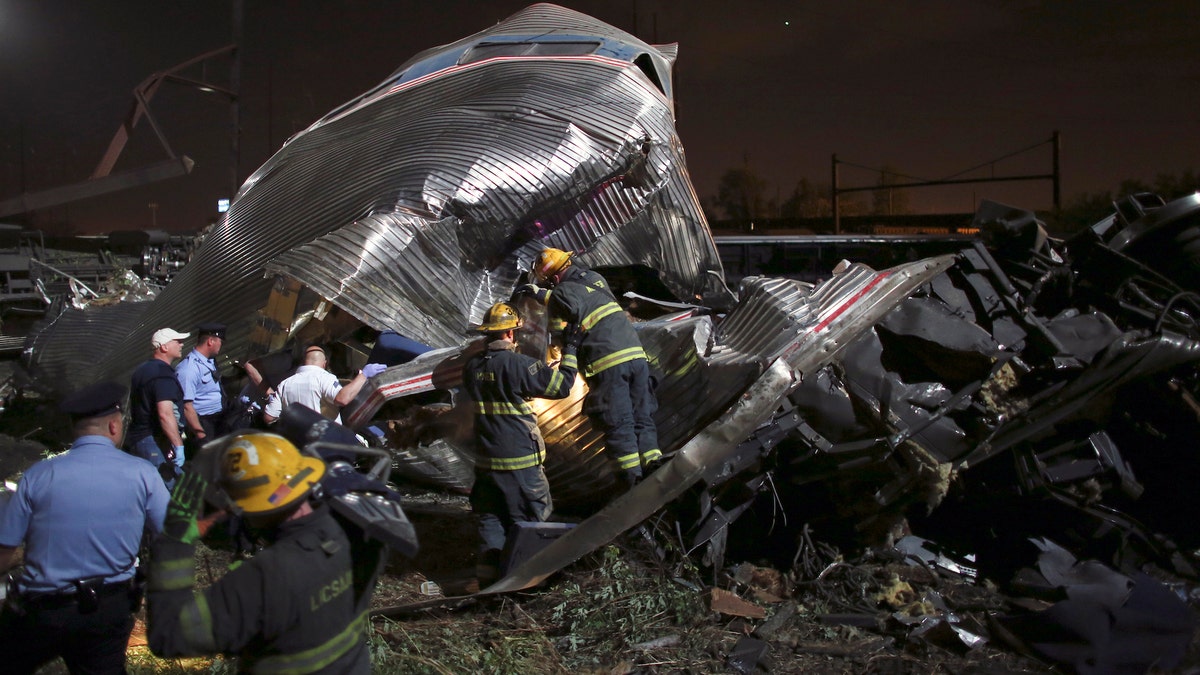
500, 380
583, 297
298, 606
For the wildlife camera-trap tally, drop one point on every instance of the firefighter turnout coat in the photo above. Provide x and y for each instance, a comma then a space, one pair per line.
500, 380
298, 606
583, 297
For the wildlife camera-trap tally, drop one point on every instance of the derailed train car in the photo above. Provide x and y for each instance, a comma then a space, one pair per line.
415, 206
1029, 382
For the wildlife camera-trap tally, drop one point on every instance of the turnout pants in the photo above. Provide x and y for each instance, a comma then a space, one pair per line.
621, 403
501, 498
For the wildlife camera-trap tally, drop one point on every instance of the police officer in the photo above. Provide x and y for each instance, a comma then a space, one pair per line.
620, 400
203, 402
81, 516
297, 606
510, 485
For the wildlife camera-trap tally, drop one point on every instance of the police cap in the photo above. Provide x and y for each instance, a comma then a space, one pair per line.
97, 400
213, 329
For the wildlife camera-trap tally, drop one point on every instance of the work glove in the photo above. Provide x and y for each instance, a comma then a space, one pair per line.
526, 289
372, 369
187, 501
572, 337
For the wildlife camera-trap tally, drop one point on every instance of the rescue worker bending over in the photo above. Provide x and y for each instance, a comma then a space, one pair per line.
620, 400
510, 485
299, 605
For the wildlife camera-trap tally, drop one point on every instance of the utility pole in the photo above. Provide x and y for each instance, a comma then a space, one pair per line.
1057, 178
833, 198
235, 79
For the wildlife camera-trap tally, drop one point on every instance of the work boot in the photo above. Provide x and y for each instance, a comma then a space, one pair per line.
654, 465
632, 477
487, 568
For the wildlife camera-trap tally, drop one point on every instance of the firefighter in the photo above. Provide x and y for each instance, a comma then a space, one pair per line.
620, 398
297, 606
510, 485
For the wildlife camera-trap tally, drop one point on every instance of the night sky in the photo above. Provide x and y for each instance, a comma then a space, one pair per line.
930, 88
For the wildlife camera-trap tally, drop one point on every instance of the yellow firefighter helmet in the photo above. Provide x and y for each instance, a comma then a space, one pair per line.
550, 262
265, 474
499, 318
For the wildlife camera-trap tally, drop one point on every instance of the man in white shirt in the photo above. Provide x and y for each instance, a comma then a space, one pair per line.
316, 388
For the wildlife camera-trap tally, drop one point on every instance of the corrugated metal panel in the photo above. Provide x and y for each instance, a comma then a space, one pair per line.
701, 374
524, 154
414, 205
55, 351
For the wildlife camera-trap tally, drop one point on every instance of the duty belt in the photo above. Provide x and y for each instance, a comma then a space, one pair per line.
85, 597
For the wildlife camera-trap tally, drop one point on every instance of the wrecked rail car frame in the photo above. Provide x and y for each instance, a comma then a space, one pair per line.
418, 204
415, 206
887, 389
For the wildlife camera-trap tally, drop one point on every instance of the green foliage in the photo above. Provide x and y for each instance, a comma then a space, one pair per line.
462, 644
140, 661
808, 200
623, 606
741, 195
588, 619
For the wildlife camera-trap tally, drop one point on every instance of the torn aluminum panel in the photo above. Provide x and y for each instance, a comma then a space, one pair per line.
700, 375
418, 204
826, 318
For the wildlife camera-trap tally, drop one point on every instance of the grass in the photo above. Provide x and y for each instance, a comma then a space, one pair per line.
591, 619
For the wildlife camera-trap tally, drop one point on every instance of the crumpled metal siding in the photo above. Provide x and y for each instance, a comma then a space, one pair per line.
495, 160
74, 336
702, 372
580, 155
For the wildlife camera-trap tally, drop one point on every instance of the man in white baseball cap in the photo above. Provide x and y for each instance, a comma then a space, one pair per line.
154, 395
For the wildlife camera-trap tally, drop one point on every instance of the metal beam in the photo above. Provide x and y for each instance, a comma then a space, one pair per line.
170, 168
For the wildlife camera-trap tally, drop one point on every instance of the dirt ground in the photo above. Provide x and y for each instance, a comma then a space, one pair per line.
638, 606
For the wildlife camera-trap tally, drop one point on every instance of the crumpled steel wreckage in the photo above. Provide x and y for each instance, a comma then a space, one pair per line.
1021, 376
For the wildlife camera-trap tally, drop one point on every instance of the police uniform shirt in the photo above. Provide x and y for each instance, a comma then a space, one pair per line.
200, 382
81, 515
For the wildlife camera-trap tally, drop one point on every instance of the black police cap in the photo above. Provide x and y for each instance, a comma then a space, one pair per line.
97, 400
213, 329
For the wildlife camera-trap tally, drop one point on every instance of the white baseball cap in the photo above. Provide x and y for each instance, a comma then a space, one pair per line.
164, 335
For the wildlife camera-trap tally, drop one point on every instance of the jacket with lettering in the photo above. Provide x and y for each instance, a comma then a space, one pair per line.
499, 380
298, 606
583, 297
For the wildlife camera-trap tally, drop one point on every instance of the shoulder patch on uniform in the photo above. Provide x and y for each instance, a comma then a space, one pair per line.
534, 367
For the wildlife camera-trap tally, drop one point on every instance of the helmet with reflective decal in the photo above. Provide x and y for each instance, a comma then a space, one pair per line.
550, 262
265, 474
499, 318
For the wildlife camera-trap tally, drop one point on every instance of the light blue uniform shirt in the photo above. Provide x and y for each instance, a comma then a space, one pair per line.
201, 384
81, 515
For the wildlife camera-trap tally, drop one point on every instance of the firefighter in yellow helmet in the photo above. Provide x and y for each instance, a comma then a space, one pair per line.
620, 400
297, 606
510, 485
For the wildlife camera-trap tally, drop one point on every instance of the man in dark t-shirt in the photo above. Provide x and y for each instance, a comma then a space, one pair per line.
154, 395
